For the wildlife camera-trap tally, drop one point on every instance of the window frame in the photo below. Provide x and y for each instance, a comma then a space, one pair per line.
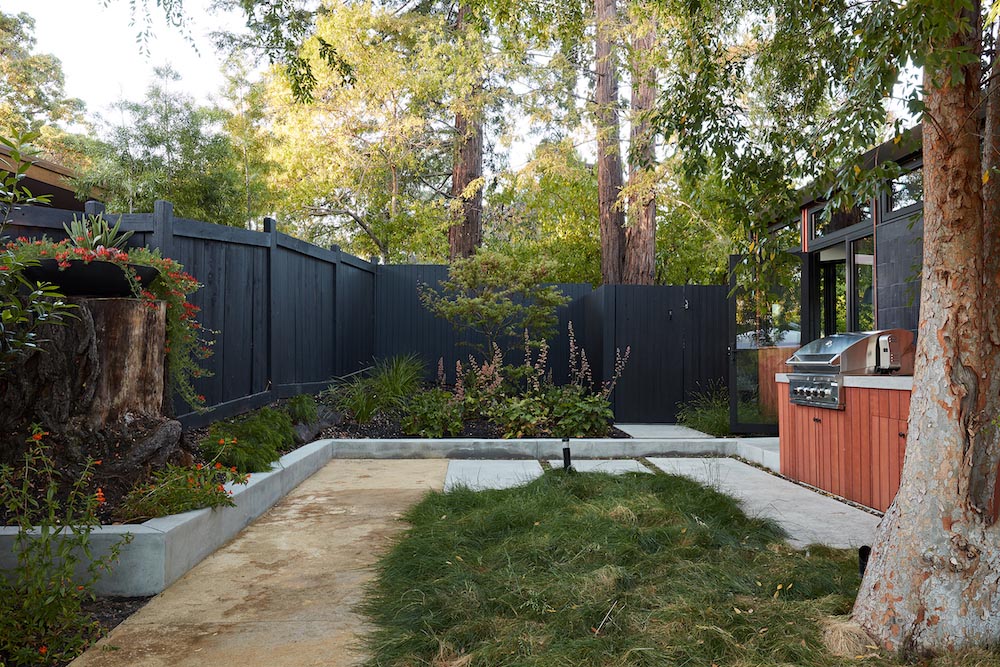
886, 214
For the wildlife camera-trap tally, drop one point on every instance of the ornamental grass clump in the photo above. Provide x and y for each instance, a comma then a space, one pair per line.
251, 443
177, 489
386, 389
302, 409
41, 617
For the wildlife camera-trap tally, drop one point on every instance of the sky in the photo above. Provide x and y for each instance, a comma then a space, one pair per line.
101, 58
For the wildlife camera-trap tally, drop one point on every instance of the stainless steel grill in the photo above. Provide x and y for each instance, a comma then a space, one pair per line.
821, 365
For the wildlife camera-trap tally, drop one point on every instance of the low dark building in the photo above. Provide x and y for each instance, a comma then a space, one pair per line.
46, 178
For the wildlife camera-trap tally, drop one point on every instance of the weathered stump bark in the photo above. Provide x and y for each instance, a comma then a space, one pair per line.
104, 361
131, 337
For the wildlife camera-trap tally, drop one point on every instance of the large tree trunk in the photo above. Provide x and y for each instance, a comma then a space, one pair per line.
933, 581
609, 160
466, 231
640, 235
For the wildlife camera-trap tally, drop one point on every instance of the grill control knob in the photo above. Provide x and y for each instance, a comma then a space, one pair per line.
828, 392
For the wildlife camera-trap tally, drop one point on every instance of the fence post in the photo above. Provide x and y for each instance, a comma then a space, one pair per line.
271, 228
93, 208
163, 227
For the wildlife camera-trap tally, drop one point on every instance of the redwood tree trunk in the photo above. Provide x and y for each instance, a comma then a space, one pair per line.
466, 231
933, 581
640, 235
609, 160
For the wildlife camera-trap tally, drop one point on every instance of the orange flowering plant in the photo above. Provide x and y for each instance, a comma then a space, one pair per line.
187, 343
41, 619
177, 489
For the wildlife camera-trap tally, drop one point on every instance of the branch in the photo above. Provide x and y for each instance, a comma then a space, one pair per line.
320, 211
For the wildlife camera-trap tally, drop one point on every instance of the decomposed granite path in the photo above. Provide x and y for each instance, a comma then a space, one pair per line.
282, 594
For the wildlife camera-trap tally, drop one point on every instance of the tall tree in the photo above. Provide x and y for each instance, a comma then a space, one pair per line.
546, 211
168, 147
466, 231
933, 581
32, 86
245, 125
640, 234
367, 163
609, 161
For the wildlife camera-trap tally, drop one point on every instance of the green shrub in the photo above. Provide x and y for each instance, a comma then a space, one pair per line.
302, 409
251, 443
707, 411
577, 413
179, 489
497, 297
41, 620
524, 416
434, 413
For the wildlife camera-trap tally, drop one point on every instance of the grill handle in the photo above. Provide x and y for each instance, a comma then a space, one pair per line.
792, 361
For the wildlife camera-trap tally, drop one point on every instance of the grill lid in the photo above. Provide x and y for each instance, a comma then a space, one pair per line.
826, 351
862, 352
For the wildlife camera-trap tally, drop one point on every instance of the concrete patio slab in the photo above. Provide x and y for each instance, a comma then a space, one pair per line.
284, 592
479, 475
662, 431
807, 516
612, 466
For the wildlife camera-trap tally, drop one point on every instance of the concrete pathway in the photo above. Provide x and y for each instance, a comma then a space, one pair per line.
662, 431
498, 474
612, 466
282, 594
808, 517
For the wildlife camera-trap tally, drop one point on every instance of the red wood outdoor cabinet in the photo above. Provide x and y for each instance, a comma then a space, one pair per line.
855, 453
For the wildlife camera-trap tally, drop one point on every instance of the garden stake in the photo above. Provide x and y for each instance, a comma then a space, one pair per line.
567, 463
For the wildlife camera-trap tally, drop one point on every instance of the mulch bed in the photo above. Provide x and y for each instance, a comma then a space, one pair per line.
387, 427
111, 611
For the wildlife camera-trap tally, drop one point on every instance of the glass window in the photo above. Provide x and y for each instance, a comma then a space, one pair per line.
906, 189
823, 225
833, 293
864, 283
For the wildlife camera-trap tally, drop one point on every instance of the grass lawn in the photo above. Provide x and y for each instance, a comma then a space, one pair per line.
588, 569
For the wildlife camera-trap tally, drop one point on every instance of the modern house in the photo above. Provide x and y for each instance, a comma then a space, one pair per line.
859, 271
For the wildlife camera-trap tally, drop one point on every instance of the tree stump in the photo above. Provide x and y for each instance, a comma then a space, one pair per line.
131, 344
104, 361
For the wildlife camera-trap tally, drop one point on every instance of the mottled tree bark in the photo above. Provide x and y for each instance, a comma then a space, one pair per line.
933, 581
609, 160
640, 235
466, 231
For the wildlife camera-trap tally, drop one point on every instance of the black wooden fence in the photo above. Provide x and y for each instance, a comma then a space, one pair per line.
289, 316
677, 335
292, 316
